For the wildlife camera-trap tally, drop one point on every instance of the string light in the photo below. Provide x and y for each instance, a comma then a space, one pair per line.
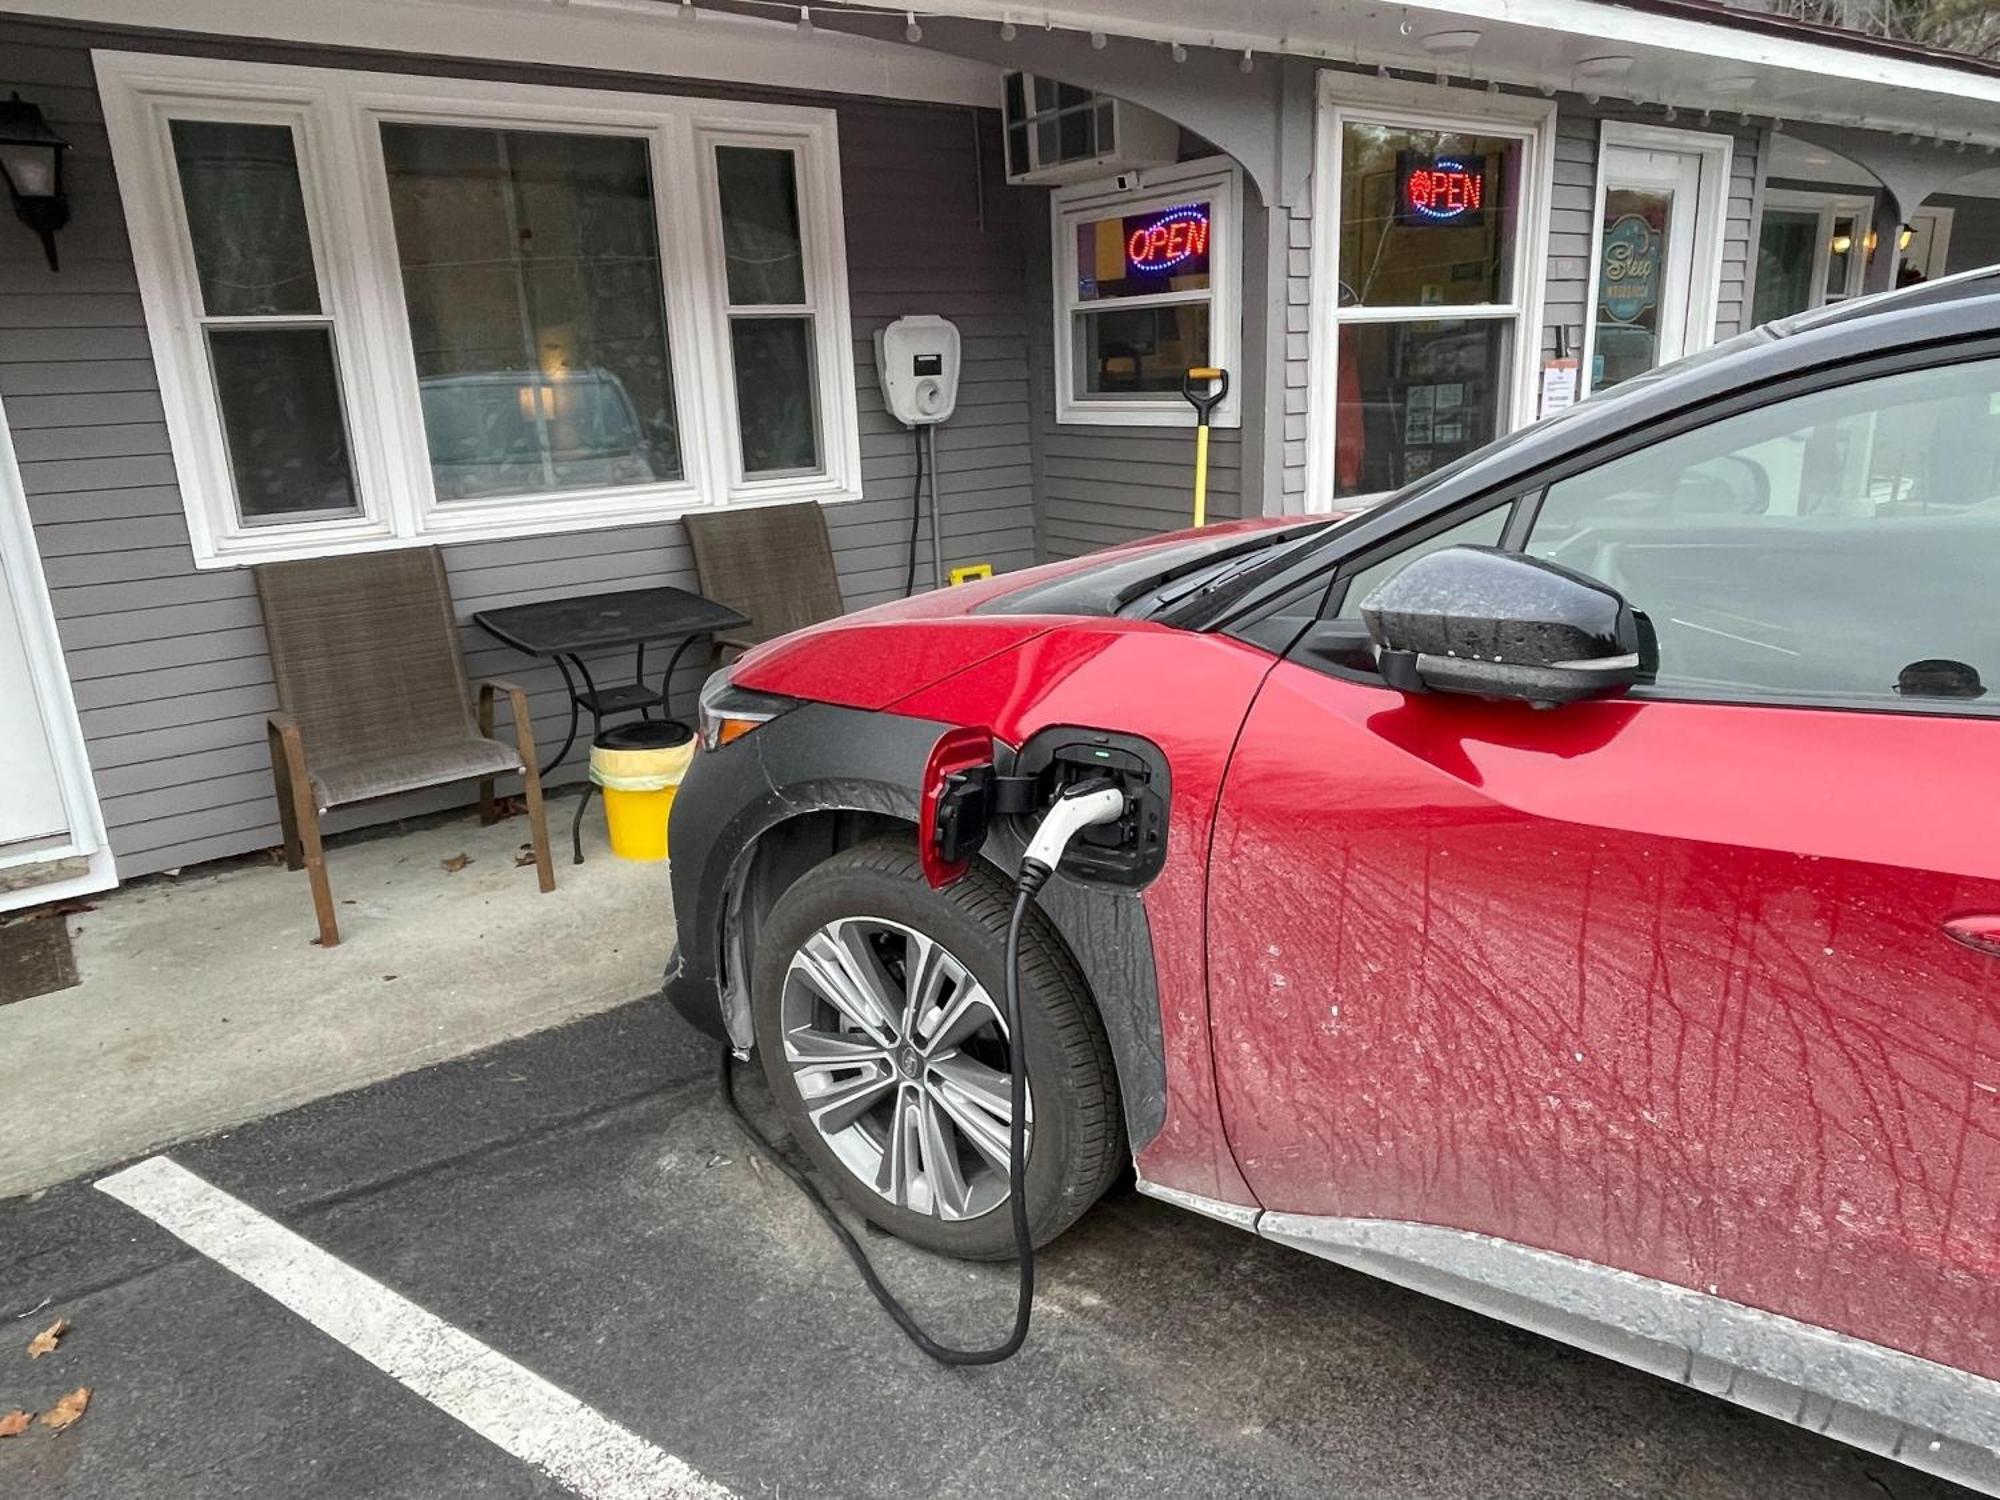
1246, 62
912, 32
1008, 31
1177, 52
1098, 41
805, 20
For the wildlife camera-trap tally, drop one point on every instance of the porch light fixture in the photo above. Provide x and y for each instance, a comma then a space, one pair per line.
1610, 65
31, 159
1449, 43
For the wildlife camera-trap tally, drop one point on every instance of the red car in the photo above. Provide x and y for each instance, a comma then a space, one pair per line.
1571, 888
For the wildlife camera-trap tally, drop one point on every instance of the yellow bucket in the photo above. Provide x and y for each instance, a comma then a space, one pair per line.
639, 767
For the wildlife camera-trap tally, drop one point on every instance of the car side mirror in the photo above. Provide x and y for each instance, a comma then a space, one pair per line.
1503, 625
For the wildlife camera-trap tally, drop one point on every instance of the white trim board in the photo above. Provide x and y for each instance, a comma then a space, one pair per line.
1717, 157
22, 562
1424, 106
620, 36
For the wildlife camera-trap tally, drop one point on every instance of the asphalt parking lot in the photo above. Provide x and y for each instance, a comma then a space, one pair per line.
578, 1202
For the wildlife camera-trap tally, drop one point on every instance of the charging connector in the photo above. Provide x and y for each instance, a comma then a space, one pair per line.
1081, 804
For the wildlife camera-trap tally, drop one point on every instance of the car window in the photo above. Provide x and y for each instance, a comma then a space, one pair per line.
1836, 546
1482, 530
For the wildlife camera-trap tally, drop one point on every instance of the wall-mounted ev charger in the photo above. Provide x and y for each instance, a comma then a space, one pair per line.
917, 361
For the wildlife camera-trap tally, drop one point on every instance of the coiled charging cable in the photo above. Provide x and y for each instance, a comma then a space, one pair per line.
1079, 807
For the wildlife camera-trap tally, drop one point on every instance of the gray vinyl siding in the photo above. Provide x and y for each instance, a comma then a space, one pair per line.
1103, 485
168, 662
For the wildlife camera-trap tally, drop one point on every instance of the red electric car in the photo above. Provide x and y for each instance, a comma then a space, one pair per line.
1571, 888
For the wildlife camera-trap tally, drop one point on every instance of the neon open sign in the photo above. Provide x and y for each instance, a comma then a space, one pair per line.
1440, 189
1176, 240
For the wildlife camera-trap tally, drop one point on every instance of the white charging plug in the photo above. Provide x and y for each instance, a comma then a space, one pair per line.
1074, 811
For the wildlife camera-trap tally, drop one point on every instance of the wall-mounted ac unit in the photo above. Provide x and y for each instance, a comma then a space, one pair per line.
1059, 133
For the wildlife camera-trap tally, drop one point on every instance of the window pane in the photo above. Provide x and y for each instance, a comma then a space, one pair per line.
1631, 281
1840, 256
1785, 263
1427, 217
777, 401
1415, 396
283, 423
760, 226
531, 271
1139, 351
246, 218
1840, 545
1140, 255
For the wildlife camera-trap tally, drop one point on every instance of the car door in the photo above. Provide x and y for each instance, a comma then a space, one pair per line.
1698, 984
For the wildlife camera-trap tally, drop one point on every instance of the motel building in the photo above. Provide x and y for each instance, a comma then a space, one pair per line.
531, 282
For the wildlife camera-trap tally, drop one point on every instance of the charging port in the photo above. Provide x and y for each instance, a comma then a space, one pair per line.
1129, 852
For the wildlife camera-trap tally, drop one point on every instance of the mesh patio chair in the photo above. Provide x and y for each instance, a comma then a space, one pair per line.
373, 701
773, 563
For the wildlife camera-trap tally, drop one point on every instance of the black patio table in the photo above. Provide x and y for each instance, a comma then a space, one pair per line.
563, 629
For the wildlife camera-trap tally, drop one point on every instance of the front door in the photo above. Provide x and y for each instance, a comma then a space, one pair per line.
1644, 275
1690, 984
32, 811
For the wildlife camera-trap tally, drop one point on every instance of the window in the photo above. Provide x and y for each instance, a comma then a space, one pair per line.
389, 308
1148, 291
1835, 547
1427, 273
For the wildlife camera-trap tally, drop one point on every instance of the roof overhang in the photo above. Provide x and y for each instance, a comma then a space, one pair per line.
1682, 52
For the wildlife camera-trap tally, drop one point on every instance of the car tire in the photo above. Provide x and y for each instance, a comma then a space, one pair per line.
872, 901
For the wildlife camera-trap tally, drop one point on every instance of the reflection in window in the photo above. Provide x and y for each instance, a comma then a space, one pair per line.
282, 422
1840, 545
1426, 216
777, 391
1140, 349
531, 270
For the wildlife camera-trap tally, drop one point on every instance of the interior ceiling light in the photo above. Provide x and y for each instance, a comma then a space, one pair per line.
1449, 43
1610, 65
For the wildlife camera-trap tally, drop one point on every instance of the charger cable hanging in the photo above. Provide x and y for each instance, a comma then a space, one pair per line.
1079, 807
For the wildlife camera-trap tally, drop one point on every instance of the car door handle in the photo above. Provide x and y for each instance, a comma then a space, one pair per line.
1980, 934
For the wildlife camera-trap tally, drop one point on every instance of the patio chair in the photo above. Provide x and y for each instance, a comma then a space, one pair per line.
773, 563
373, 701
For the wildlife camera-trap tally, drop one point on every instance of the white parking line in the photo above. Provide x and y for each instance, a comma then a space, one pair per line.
511, 1407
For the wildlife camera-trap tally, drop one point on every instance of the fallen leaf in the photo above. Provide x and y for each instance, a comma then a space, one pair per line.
45, 1342
456, 863
14, 1423
65, 1412
525, 858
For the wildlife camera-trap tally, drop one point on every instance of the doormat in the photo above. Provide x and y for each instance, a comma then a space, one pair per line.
35, 958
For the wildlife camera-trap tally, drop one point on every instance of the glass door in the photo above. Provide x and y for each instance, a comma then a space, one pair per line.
1643, 278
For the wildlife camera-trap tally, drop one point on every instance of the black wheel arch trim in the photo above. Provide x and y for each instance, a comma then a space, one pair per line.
837, 775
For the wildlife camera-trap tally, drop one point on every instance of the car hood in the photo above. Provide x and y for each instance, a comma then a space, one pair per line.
875, 657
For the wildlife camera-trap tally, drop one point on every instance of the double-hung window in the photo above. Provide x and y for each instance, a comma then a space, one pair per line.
1147, 290
389, 309
1429, 235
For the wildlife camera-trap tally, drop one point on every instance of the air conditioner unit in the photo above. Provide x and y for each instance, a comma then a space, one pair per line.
1057, 133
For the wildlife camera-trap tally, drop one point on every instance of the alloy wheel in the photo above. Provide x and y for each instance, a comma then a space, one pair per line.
902, 1060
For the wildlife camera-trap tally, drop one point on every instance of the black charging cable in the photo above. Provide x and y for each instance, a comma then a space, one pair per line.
916, 515
1080, 805
1032, 877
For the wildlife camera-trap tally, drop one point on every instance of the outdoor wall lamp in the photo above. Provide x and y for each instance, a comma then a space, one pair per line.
31, 158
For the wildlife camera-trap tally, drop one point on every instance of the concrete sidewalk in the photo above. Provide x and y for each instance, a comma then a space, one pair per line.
204, 1002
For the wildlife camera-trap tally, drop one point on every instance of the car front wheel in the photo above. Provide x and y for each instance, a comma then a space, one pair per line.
880, 1017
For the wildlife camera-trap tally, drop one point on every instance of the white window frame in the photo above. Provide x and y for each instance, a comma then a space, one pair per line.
1414, 106
1221, 184
1716, 155
336, 117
